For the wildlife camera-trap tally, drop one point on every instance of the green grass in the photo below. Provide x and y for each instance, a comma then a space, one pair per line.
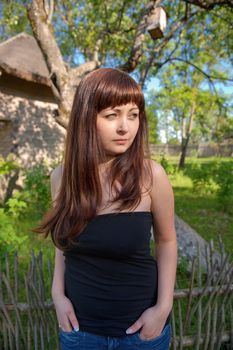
32, 246
201, 211
35, 242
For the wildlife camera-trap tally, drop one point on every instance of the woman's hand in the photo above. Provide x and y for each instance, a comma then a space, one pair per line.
151, 322
65, 314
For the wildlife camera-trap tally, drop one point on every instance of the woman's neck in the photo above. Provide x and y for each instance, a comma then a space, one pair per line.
106, 164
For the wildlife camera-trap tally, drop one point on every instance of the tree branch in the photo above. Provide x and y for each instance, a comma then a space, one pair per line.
208, 76
210, 4
164, 42
60, 120
136, 51
75, 74
51, 9
53, 58
96, 51
121, 11
175, 28
47, 43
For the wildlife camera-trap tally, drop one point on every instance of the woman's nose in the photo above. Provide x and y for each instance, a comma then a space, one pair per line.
123, 126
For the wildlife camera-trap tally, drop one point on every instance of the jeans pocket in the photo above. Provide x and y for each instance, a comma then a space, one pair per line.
69, 340
67, 332
164, 336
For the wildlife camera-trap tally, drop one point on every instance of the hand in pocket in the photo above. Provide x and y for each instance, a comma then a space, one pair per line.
65, 314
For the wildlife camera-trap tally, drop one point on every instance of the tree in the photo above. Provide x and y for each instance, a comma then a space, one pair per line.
78, 37
152, 124
189, 111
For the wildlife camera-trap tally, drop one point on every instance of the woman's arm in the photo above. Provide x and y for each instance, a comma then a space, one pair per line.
58, 276
64, 309
165, 236
162, 205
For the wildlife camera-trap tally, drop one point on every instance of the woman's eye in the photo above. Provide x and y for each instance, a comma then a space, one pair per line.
110, 116
133, 116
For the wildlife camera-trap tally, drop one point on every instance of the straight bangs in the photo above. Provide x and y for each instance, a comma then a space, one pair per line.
116, 89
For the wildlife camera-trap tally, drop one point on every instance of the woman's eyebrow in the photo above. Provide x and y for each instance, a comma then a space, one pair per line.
134, 108
119, 110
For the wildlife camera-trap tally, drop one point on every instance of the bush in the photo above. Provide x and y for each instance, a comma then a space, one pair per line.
168, 167
8, 164
9, 239
201, 175
37, 184
215, 178
224, 178
28, 204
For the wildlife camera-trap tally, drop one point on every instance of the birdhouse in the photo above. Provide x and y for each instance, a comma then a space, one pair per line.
157, 22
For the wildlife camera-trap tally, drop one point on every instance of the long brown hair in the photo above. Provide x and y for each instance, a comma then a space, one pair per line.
80, 192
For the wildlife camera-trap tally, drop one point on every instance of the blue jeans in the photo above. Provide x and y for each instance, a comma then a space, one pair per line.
87, 341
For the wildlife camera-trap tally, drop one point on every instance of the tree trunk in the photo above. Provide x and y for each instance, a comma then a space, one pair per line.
184, 147
185, 139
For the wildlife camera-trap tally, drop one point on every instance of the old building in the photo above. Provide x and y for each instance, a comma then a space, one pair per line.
27, 126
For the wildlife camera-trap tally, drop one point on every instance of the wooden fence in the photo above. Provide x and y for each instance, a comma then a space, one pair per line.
201, 319
198, 150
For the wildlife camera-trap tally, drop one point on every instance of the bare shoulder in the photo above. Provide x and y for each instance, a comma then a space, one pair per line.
56, 173
160, 182
162, 203
55, 180
157, 171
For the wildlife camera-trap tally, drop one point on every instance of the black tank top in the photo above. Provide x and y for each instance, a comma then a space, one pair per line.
110, 276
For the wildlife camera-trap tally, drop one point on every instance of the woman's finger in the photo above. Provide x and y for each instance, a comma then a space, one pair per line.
65, 324
73, 320
134, 327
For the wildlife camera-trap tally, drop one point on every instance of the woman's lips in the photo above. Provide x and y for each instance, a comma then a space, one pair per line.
121, 141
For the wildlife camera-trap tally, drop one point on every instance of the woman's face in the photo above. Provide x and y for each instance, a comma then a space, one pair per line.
117, 128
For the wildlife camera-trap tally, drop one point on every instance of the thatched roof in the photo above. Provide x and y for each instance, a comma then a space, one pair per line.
21, 56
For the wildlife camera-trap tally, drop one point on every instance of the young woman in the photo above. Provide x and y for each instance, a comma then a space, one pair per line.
108, 291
